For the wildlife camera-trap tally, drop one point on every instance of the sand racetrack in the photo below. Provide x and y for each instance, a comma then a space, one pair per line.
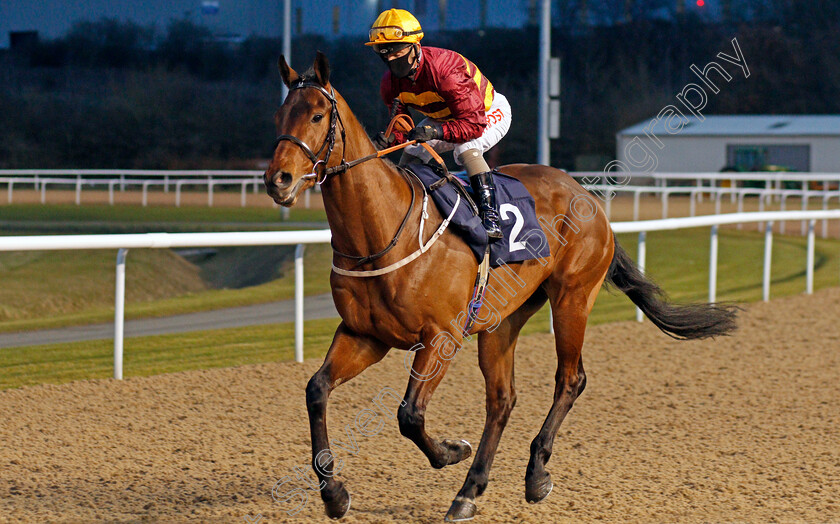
742, 429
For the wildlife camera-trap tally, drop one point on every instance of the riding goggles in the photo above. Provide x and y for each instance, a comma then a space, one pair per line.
390, 32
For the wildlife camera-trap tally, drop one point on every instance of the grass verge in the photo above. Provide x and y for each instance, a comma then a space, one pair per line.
61, 214
51, 290
678, 261
153, 355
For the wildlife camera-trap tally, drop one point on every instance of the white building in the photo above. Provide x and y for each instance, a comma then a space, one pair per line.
676, 143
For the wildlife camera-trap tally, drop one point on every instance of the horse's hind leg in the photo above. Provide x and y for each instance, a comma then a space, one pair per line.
349, 355
569, 314
495, 357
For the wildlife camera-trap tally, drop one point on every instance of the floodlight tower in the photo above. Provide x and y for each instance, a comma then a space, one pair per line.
545, 54
287, 41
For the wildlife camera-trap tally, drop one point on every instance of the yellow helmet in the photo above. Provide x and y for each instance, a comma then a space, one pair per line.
394, 26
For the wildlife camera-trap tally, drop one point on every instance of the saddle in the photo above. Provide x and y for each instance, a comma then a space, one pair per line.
523, 237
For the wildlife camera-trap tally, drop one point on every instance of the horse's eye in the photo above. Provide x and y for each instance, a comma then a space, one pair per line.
317, 118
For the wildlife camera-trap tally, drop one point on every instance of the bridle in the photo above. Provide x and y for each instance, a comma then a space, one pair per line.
329, 145
329, 140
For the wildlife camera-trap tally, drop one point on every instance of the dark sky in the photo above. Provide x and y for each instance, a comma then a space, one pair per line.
52, 18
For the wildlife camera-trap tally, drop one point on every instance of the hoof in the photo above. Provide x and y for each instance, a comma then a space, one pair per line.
461, 509
456, 450
537, 490
337, 504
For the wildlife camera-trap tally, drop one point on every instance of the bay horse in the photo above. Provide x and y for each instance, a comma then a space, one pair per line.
411, 308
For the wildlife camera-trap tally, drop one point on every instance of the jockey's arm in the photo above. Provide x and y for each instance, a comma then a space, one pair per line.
468, 119
395, 107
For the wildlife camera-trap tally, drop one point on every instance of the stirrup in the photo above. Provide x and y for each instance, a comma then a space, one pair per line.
491, 225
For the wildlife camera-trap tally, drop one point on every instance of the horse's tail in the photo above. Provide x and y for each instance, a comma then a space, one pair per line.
681, 321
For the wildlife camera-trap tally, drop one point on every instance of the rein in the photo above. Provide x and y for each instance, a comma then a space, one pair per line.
329, 140
329, 144
402, 120
405, 123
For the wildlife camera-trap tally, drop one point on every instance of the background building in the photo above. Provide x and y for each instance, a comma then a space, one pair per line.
746, 143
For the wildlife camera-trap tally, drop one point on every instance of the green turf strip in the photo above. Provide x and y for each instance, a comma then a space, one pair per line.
60, 213
677, 260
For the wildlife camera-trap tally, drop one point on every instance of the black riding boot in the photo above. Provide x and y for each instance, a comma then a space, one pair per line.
485, 191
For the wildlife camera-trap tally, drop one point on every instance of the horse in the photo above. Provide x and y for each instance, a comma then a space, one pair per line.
369, 202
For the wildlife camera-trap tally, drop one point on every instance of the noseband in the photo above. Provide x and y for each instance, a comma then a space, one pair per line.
329, 144
329, 140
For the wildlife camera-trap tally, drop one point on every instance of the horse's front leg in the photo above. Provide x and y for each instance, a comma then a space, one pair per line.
348, 356
429, 367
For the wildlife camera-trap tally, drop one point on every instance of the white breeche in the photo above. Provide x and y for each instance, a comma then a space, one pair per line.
498, 123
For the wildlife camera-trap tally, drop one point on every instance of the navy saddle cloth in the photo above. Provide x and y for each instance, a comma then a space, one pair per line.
522, 239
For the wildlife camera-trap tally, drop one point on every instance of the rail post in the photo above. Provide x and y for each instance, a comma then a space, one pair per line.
641, 263
809, 271
713, 261
761, 199
768, 254
636, 196
299, 302
119, 314
804, 208
550, 319
782, 206
825, 220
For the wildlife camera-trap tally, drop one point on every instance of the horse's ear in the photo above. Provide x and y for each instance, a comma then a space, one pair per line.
322, 69
288, 74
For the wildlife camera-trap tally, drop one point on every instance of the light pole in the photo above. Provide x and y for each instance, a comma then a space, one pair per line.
287, 40
545, 53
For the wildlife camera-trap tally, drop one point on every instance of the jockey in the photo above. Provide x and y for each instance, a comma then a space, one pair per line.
464, 114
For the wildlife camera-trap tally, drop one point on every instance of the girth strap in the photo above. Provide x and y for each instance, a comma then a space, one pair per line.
410, 258
478, 292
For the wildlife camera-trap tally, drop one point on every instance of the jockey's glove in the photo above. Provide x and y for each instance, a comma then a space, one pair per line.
425, 132
397, 107
381, 141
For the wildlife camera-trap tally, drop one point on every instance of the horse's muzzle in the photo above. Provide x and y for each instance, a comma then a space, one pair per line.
278, 186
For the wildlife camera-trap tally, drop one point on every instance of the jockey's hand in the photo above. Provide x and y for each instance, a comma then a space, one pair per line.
425, 132
381, 141
397, 107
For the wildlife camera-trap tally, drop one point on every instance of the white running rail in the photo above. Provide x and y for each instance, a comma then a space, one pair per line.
299, 238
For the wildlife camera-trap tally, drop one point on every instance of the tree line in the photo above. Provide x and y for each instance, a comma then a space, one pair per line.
113, 94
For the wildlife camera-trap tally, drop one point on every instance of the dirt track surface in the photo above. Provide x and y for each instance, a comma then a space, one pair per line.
742, 429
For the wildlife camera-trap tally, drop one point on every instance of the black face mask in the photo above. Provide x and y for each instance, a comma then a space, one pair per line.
403, 66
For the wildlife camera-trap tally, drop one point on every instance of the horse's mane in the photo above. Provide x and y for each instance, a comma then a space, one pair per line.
308, 76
